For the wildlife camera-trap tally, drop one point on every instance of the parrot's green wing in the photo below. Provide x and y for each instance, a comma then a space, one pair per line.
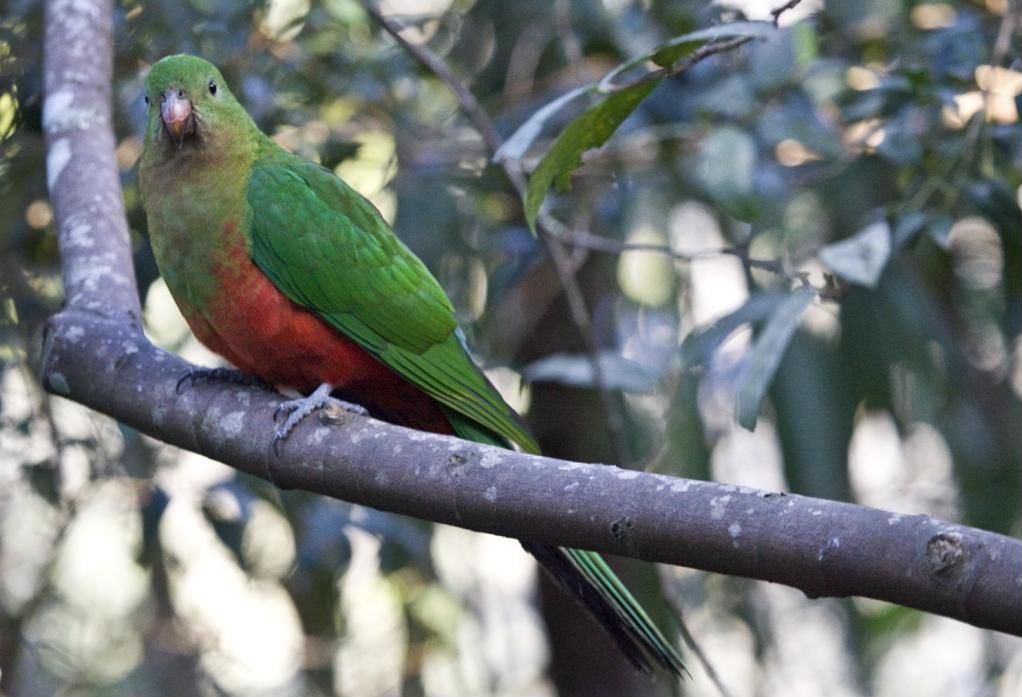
328, 249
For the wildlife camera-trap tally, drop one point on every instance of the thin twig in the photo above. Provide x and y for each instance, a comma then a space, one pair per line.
429, 60
606, 245
781, 9
699, 55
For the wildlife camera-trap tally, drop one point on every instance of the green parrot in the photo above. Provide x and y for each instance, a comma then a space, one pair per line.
296, 279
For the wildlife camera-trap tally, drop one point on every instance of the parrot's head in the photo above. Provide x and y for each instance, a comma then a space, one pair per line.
188, 103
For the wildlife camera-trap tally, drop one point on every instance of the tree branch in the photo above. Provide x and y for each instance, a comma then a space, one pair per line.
824, 548
81, 171
95, 354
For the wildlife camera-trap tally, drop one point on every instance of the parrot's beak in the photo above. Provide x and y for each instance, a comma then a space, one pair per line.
176, 113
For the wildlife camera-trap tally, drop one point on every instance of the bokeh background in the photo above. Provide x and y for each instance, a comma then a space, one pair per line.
131, 568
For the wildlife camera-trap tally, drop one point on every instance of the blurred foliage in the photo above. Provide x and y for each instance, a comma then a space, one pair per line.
818, 232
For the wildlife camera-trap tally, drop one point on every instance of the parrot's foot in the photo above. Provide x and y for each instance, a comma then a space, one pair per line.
232, 377
297, 409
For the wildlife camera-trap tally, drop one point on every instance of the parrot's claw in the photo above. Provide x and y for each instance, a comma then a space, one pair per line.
233, 377
294, 411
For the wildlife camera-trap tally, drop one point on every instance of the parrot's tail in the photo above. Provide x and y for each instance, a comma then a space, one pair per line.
586, 576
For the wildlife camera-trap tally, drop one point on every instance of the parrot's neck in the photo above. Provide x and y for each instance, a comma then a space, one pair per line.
197, 210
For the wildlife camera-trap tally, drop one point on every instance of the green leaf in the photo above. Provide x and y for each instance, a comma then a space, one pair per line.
674, 49
678, 47
664, 55
861, 258
576, 370
154, 505
700, 344
591, 129
765, 355
44, 478
594, 126
515, 147
670, 54
939, 230
908, 228
226, 506
997, 204
807, 43
727, 164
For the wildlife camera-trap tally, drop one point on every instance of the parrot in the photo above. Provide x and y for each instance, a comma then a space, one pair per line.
297, 280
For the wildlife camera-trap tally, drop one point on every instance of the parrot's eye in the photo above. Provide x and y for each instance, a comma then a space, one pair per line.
212, 87
146, 97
